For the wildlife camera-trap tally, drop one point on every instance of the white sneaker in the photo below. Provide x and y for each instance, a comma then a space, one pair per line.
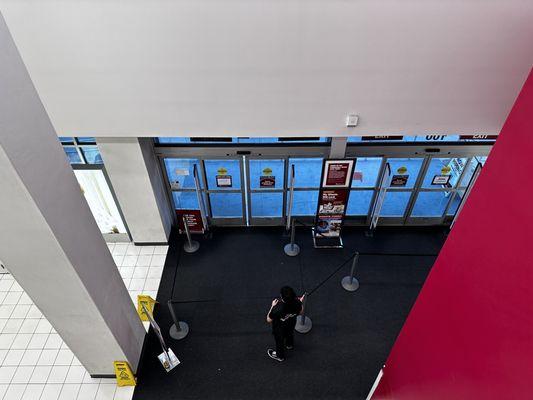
272, 354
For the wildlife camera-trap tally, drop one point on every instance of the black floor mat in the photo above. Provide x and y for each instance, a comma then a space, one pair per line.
224, 291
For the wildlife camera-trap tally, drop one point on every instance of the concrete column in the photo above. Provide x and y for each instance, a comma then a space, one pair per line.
338, 147
138, 183
49, 238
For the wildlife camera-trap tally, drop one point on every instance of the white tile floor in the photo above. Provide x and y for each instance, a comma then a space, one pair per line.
35, 364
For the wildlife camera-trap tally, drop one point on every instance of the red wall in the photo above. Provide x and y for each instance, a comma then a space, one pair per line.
470, 333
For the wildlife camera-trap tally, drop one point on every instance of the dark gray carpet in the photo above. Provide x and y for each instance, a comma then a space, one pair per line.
227, 287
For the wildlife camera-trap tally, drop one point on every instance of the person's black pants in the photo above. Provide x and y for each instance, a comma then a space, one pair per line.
284, 336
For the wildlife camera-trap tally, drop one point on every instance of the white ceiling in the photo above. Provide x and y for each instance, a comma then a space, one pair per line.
272, 67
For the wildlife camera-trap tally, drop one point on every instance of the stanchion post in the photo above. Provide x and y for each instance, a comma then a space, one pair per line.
191, 245
292, 249
303, 322
291, 198
350, 283
179, 329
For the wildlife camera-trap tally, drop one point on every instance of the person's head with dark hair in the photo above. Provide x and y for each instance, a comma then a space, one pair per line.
287, 294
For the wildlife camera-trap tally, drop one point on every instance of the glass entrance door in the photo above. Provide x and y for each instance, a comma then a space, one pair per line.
266, 190
364, 188
307, 174
440, 191
400, 192
226, 199
244, 190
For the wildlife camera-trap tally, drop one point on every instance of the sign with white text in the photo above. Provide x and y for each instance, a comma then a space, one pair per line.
224, 181
399, 180
194, 221
441, 179
337, 173
267, 181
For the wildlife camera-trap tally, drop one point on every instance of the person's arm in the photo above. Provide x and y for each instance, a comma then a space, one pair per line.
274, 302
302, 301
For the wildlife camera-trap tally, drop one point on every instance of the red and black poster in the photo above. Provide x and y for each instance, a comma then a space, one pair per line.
267, 181
337, 173
193, 218
399, 180
333, 202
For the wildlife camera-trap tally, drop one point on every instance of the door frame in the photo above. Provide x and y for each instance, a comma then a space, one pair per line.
266, 221
108, 237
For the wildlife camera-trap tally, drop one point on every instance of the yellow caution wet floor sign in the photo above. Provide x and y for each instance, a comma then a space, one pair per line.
148, 303
124, 375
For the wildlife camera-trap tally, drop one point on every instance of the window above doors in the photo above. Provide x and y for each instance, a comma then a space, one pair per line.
184, 141
81, 150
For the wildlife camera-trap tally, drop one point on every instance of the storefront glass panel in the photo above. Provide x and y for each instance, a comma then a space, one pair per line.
366, 171
100, 200
431, 204
266, 204
359, 202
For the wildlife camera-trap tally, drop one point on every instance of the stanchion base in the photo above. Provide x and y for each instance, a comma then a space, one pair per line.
291, 250
178, 335
303, 327
351, 285
192, 247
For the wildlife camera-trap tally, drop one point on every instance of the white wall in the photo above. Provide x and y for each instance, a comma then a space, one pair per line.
274, 68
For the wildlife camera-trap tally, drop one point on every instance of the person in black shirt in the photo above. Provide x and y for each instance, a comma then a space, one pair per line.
282, 315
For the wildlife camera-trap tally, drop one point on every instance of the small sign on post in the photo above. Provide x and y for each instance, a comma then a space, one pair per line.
194, 221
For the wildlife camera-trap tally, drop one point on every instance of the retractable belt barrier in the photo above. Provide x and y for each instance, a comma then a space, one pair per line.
179, 329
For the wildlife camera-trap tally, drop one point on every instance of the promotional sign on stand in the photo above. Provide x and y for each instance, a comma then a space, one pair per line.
167, 358
194, 221
332, 202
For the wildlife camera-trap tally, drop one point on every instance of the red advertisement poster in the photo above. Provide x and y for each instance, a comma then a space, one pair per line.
193, 218
333, 201
337, 173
